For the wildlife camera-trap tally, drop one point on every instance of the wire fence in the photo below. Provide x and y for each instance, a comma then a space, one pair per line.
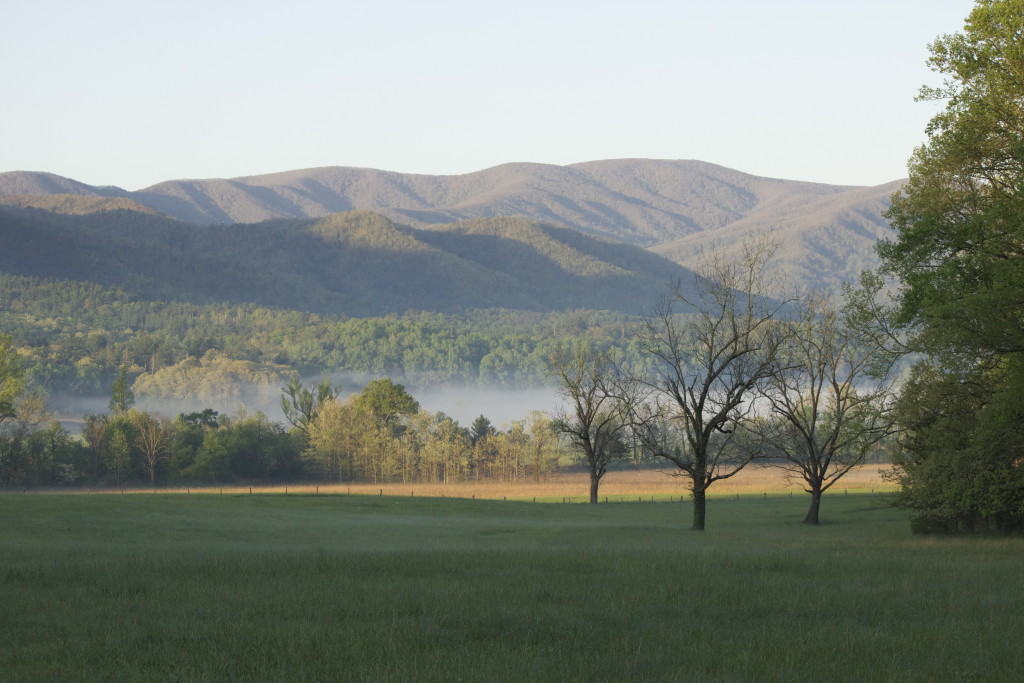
407, 491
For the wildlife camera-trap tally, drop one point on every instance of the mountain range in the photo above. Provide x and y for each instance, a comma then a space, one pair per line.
679, 210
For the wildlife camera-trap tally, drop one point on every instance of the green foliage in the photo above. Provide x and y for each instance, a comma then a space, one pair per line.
121, 396
74, 336
963, 468
213, 377
212, 461
11, 372
37, 455
117, 449
958, 249
480, 428
301, 405
247, 448
379, 435
387, 402
959, 253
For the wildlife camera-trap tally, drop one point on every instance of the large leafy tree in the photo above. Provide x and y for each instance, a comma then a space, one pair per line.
959, 252
388, 402
960, 218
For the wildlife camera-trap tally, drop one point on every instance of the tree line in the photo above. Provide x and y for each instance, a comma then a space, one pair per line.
379, 434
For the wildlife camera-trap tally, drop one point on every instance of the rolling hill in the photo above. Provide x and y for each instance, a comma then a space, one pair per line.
679, 209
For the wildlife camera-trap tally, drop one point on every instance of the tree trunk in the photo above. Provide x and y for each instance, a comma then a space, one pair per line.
595, 481
699, 505
812, 512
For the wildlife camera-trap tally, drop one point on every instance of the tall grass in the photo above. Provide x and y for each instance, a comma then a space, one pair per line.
623, 485
303, 587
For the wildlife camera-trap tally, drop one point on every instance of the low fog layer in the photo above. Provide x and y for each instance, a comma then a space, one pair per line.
500, 406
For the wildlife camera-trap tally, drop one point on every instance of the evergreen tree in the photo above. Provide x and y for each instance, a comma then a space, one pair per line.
480, 428
121, 398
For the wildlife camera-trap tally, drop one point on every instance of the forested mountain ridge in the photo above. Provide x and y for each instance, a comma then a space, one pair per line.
74, 204
641, 201
353, 263
821, 243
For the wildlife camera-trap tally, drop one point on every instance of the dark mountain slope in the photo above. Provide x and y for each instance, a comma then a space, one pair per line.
357, 263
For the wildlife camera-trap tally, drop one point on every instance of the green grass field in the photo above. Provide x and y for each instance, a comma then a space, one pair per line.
175, 587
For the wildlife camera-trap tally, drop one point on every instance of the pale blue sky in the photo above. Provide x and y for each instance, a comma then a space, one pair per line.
131, 93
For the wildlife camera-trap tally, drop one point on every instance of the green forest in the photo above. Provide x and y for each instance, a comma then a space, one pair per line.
73, 337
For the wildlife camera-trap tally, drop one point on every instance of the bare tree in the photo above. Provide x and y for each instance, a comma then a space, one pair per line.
594, 422
708, 367
153, 436
830, 400
543, 444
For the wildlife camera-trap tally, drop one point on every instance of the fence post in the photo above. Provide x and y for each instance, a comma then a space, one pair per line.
317, 491
381, 493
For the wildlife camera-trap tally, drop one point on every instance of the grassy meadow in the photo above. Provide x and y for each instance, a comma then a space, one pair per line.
367, 588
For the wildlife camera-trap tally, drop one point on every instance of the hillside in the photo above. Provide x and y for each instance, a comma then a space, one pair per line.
354, 263
820, 243
74, 204
681, 209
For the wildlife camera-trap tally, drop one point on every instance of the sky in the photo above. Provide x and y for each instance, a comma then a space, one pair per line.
131, 93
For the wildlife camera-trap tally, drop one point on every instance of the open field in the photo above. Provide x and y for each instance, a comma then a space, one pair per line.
618, 485
298, 587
